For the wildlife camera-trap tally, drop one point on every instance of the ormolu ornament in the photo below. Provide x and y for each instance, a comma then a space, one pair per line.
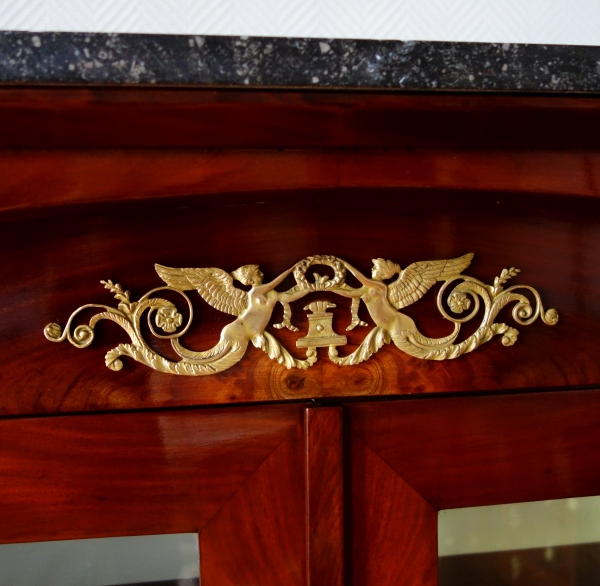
253, 310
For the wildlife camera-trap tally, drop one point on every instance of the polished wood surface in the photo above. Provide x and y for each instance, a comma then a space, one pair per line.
412, 457
114, 176
220, 118
472, 451
65, 146
133, 474
102, 183
263, 485
393, 528
258, 536
324, 496
53, 264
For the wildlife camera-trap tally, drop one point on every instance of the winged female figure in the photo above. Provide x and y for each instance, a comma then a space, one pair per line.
253, 310
383, 302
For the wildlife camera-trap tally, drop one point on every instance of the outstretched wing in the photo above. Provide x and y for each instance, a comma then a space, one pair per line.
214, 285
416, 279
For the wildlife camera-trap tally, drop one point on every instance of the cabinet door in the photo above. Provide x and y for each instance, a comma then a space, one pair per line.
234, 476
410, 459
261, 486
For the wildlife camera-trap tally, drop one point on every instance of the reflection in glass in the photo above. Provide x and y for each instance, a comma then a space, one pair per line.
544, 543
160, 560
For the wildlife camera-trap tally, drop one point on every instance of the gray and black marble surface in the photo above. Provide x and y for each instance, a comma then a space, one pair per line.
79, 58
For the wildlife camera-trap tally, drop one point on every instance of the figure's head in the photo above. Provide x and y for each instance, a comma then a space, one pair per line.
248, 275
384, 269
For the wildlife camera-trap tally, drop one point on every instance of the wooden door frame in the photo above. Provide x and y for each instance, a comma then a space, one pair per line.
409, 459
402, 462
262, 486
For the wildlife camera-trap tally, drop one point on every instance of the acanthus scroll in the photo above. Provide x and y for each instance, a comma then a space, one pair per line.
253, 310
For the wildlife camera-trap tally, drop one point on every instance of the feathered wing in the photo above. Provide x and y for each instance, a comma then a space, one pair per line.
214, 285
416, 279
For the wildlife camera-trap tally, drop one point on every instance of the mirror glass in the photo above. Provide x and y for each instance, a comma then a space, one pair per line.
543, 543
160, 560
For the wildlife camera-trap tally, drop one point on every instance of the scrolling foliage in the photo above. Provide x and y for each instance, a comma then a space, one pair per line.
253, 309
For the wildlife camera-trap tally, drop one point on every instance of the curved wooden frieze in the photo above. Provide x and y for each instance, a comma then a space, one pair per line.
458, 295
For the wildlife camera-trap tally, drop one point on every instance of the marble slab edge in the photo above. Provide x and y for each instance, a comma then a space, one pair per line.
223, 61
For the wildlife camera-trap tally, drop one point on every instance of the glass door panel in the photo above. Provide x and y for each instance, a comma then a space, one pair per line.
543, 543
160, 560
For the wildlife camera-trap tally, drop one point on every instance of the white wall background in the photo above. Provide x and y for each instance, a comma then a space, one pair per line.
575, 22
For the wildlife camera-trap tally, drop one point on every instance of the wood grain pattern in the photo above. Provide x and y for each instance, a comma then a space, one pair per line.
324, 496
394, 530
121, 175
258, 536
495, 171
111, 144
132, 474
33, 179
103, 183
57, 268
158, 117
225, 178
471, 451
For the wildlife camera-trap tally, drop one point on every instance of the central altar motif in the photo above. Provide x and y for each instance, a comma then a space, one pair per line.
320, 327
253, 310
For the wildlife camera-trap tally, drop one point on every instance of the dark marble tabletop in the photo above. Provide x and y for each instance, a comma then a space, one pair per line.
79, 58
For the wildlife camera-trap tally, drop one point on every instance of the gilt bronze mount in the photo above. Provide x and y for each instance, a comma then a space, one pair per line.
253, 310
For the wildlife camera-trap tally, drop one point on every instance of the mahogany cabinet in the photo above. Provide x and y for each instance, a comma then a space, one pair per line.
328, 475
